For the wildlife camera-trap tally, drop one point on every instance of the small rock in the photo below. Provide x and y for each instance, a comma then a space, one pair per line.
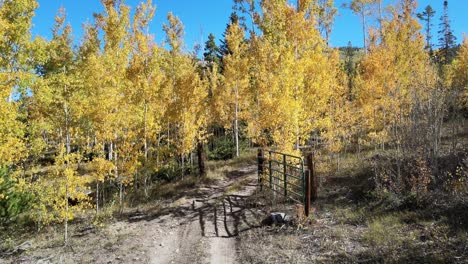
85, 231
24, 246
276, 218
423, 238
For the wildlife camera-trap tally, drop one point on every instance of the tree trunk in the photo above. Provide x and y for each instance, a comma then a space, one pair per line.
363, 17
111, 146
146, 153
116, 164
236, 121
97, 197
201, 159
120, 197
182, 157
68, 150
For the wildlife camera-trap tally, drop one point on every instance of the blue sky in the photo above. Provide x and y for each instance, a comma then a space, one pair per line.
201, 17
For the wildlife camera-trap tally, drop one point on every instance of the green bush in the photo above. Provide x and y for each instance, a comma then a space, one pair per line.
224, 148
168, 173
12, 200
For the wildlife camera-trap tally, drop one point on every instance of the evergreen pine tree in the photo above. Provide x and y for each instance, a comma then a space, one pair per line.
426, 17
224, 49
212, 52
446, 39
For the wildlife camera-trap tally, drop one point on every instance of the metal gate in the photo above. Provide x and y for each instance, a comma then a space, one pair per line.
287, 175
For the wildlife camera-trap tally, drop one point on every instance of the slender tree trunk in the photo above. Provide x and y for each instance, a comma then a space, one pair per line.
363, 18
111, 146
146, 151
201, 159
191, 161
103, 193
380, 17
97, 197
68, 150
236, 120
116, 164
182, 157
121, 197
157, 153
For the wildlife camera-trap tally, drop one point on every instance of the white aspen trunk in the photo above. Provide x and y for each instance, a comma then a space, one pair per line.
111, 146
116, 164
66, 204
191, 160
67, 148
97, 197
157, 153
363, 17
296, 57
236, 120
183, 164
121, 197
146, 152
66, 221
380, 17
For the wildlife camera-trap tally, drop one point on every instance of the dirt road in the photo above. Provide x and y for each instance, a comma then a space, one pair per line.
200, 226
203, 229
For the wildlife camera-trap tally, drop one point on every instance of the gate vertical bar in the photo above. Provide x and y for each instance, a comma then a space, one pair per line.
285, 178
269, 170
260, 167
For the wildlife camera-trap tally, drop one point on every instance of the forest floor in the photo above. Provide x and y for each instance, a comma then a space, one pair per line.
218, 220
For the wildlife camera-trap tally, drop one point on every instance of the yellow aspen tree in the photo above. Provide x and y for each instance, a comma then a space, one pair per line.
363, 9
15, 25
147, 93
292, 82
116, 112
456, 80
15, 78
341, 116
394, 77
62, 193
91, 72
101, 169
459, 74
187, 92
57, 100
325, 12
234, 93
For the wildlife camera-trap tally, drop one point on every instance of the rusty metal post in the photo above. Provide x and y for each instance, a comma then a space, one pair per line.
313, 179
260, 167
307, 193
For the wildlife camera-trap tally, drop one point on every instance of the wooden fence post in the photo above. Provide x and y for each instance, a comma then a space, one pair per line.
260, 167
313, 179
307, 193
201, 159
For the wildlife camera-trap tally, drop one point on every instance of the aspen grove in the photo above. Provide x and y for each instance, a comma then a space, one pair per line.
82, 126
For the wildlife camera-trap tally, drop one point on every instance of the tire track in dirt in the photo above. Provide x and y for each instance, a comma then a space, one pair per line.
207, 231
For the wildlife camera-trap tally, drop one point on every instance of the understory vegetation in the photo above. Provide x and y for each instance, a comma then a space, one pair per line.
121, 121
